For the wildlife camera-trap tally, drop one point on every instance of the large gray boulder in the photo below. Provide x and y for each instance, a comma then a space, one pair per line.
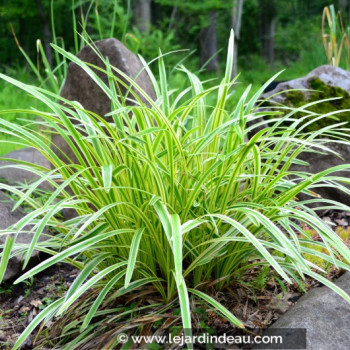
16, 176
331, 76
80, 87
324, 314
8, 218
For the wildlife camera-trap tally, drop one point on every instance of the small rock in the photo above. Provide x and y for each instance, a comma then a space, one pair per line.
15, 176
324, 314
7, 219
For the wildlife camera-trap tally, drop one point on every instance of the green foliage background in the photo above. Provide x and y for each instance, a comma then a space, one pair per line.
297, 25
175, 25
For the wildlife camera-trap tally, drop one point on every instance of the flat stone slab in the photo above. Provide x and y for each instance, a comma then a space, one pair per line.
16, 176
8, 218
324, 314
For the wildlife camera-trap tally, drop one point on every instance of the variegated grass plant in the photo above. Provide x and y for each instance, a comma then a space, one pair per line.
172, 194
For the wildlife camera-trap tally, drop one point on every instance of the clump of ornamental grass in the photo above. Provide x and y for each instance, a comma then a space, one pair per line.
170, 195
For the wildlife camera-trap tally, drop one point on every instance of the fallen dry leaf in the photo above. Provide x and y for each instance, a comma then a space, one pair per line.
24, 309
36, 302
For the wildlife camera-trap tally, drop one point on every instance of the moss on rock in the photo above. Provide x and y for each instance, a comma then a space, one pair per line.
322, 91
